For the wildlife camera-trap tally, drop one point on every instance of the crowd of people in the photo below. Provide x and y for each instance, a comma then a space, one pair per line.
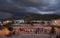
31, 30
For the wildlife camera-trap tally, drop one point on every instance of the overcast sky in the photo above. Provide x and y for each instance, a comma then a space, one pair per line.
9, 8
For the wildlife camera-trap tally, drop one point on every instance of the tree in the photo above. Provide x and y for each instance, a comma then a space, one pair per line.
42, 22
8, 26
1, 27
12, 22
52, 31
31, 23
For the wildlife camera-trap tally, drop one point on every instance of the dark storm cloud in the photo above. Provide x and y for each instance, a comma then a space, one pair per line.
16, 7
5, 15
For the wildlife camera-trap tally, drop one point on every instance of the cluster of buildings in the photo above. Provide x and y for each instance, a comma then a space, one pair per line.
22, 21
42, 29
15, 22
24, 25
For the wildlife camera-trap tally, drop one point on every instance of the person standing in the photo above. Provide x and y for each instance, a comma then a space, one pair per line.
37, 31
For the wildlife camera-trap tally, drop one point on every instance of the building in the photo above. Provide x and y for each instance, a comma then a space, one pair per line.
56, 22
1, 23
41, 22
18, 22
7, 21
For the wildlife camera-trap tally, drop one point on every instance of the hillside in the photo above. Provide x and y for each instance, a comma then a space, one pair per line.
42, 17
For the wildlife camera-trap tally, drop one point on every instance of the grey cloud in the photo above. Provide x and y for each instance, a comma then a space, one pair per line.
5, 15
36, 10
36, 6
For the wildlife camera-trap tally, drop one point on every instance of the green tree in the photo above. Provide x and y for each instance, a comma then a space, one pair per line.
30, 23
12, 22
8, 26
52, 32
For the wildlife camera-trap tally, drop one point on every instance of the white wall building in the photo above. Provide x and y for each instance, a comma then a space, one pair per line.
40, 21
17, 22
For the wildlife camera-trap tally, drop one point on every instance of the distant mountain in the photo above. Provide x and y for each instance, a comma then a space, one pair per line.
23, 14
20, 15
34, 16
42, 16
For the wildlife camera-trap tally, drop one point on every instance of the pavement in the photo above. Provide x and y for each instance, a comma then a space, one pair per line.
28, 36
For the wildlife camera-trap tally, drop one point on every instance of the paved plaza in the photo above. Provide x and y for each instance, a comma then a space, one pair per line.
28, 36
